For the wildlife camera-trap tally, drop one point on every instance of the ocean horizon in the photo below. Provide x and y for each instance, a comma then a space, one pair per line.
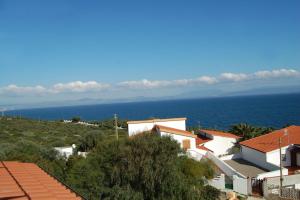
219, 112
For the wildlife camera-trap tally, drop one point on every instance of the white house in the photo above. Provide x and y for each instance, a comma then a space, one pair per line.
264, 150
218, 142
135, 127
186, 139
65, 151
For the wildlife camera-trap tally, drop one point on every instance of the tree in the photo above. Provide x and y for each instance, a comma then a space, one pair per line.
247, 131
76, 119
89, 141
145, 166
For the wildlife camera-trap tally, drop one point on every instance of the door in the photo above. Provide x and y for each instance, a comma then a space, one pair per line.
298, 159
186, 144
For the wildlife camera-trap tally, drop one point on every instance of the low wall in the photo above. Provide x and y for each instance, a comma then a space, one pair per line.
272, 173
218, 182
241, 185
231, 156
271, 184
287, 180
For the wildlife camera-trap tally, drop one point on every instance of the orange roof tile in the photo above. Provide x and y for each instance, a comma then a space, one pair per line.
24, 181
175, 131
204, 148
201, 140
220, 133
270, 141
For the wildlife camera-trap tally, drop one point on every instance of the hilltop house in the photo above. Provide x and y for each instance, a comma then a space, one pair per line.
198, 144
264, 150
258, 163
135, 127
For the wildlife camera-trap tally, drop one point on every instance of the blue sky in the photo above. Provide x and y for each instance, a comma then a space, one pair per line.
117, 49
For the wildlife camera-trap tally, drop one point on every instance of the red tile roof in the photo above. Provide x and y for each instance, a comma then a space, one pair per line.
175, 131
270, 141
201, 140
204, 148
220, 133
24, 181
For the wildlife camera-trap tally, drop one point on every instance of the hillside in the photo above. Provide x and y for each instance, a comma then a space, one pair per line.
50, 133
143, 167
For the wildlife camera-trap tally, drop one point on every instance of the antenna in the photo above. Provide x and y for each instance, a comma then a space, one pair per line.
286, 133
116, 126
199, 126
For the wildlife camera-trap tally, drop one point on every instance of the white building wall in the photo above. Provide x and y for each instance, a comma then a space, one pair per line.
136, 128
257, 157
64, 151
274, 157
220, 145
180, 138
254, 156
240, 185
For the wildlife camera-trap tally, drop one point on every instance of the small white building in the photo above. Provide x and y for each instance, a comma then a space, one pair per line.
186, 139
136, 127
65, 151
220, 143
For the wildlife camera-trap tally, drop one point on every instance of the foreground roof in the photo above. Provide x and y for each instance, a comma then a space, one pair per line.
270, 141
22, 181
156, 120
175, 131
220, 133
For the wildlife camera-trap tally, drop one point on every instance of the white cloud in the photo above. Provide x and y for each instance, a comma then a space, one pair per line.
206, 79
151, 84
14, 89
93, 86
78, 86
234, 77
144, 84
280, 73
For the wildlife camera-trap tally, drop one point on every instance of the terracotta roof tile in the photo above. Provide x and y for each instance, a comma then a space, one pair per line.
204, 148
23, 181
175, 131
220, 133
201, 140
270, 141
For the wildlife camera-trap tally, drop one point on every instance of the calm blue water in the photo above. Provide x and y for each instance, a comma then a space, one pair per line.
271, 110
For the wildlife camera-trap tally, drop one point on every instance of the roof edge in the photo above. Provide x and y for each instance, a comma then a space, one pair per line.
175, 131
156, 120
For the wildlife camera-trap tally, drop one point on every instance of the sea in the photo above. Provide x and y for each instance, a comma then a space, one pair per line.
219, 113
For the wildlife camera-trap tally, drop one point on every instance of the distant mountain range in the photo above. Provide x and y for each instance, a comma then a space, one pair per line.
187, 95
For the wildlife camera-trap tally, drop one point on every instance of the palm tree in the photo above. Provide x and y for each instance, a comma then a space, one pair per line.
247, 131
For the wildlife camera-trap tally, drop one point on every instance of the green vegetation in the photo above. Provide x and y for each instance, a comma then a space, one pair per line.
75, 119
142, 167
247, 131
